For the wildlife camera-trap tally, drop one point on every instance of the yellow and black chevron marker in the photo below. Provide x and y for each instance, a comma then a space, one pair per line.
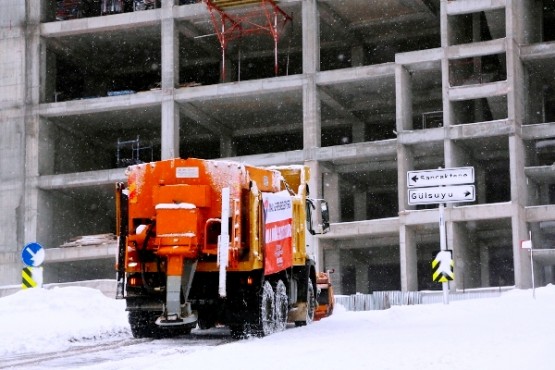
31, 277
27, 278
443, 267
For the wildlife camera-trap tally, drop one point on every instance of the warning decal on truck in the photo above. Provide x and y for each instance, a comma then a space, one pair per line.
278, 233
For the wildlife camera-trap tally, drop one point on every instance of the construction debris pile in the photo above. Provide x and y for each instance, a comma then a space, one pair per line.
87, 240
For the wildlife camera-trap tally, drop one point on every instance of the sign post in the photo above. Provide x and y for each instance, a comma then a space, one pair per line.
443, 247
527, 244
440, 186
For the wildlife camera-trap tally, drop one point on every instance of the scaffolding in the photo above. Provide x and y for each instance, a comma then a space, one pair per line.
129, 152
233, 19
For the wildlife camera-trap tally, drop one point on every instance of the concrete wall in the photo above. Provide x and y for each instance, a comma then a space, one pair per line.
13, 110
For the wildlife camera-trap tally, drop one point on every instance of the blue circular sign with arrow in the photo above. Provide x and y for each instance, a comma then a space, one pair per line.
32, 255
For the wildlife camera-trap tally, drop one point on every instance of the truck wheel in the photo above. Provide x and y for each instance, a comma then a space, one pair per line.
310, 305
282, 306
142, 324
267, 310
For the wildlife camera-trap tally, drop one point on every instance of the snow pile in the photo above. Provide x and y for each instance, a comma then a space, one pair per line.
512, 332
42, 320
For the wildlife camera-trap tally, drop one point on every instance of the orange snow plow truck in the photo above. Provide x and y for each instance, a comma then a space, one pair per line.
212, 242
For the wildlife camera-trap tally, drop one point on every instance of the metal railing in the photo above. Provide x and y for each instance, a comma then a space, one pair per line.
385, 299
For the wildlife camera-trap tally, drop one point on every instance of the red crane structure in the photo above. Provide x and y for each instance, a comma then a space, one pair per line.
233, 19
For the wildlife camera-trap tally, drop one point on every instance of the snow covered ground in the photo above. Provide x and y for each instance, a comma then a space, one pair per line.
514, 331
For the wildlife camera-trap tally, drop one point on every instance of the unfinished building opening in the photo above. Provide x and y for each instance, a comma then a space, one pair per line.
358, 111
548, 18
360, 34
490, 159
89, 142
61, 10
479, 110
426, 97
265, 122
368, 193
102, 64
476, 27
540, 158
478, 70
238, 43
72, 212
540, 88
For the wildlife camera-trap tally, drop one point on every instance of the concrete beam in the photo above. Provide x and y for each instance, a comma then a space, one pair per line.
501, 127
426, 59
103, 104
473, 6
538, 131
478, 91
537, 51
380, 227
240, 89
83, 253
421, 136
380, 149
541, 174
479, 212
117, 22
356, 74
477, 49
79, 179
540, 213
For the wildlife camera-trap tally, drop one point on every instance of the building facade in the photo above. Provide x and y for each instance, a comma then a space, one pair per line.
362, 91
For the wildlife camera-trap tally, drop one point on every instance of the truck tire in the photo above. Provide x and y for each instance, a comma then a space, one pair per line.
266, 325
310, 304
282, 307
142, 324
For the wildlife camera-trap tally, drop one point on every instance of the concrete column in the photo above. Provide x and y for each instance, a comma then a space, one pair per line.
358, 132
360, 206
311, 36
407, 252
484, 265
522, 269
357, 56
362, 282
332, 260
331, 195
468, 272
170, 128
405, 162
403, 121
446, 31
227, 149
315, 188
403, 99
480, 183
170, 47
32, 121
170, 80
515, 107
312, 126
19, 88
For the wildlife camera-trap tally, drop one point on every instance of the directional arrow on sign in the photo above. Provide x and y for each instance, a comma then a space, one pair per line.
442, 176
442, 194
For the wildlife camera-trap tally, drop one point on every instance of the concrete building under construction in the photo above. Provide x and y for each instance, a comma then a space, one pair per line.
362, 91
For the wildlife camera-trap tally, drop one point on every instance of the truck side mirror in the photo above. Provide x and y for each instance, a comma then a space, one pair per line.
318, 216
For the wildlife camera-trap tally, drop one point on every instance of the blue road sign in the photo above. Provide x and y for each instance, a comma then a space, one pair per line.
32, 255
